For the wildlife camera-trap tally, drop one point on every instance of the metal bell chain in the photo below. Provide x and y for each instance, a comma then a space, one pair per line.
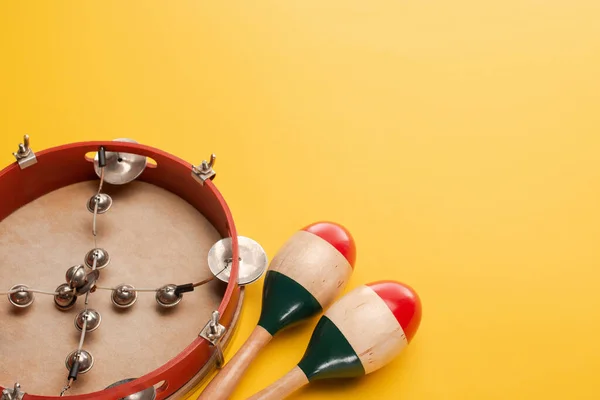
74, 370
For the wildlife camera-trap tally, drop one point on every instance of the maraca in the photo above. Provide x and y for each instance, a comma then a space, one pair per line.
303, 279
359, 334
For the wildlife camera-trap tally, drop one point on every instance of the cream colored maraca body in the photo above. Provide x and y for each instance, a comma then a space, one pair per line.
372, 330
359, 334
305, 277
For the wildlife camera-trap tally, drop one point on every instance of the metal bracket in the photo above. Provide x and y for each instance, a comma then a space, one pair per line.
213, 332
25, 156
13, 394
205, 170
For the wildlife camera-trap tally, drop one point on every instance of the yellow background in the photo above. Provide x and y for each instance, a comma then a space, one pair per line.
458, 140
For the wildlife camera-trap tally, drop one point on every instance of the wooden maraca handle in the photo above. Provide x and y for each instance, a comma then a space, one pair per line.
223, 385
285, 386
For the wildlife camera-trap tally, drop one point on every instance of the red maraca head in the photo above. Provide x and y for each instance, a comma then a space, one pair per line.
306, 275
337, 236
363, 331
404, 303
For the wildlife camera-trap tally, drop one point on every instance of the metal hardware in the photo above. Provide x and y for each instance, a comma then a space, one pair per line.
124, 296
205, 170
213, 331
76, 276
99, 203
22, 297
25, 156
92, 317
90, 283
97, 258
65, 298
167, 296
66, 388
252, 262
83, 357
13, 394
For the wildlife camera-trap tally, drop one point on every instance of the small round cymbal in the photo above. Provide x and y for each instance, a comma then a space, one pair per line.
121, 168
253, 260
146, 394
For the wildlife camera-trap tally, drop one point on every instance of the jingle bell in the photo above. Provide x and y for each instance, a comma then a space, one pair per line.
75, 276
65, 298
124, 296
92, 317
85, 358
100, 255
167, 296
103, 200
22, 298
90, 283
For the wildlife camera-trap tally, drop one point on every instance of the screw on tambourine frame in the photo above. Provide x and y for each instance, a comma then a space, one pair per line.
13, 394
205, 170
213, 331
25, 156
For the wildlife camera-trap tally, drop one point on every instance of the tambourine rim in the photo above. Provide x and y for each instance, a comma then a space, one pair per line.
155, 376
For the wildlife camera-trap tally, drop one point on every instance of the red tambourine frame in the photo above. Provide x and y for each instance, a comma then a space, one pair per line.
65, 165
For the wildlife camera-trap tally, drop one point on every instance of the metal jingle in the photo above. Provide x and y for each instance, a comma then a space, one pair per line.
93, 318
146, 394
75, 276
90, 283
166, 296
23, 298
253, 260
102, 258
104, 203
85, 358
121, 168
65, 299
124, 296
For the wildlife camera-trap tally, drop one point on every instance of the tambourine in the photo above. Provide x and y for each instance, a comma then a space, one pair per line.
123, 269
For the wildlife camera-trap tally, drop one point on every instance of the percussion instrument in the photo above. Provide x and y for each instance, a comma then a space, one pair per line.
359, 334
304, 278
105, 250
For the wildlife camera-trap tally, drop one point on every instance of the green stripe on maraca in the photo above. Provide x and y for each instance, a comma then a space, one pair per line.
360, 333
285, 302
329, 355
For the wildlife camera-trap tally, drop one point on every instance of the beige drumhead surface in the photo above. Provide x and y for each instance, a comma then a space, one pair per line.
153, 238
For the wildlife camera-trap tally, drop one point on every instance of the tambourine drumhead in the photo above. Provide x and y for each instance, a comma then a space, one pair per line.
154, 238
